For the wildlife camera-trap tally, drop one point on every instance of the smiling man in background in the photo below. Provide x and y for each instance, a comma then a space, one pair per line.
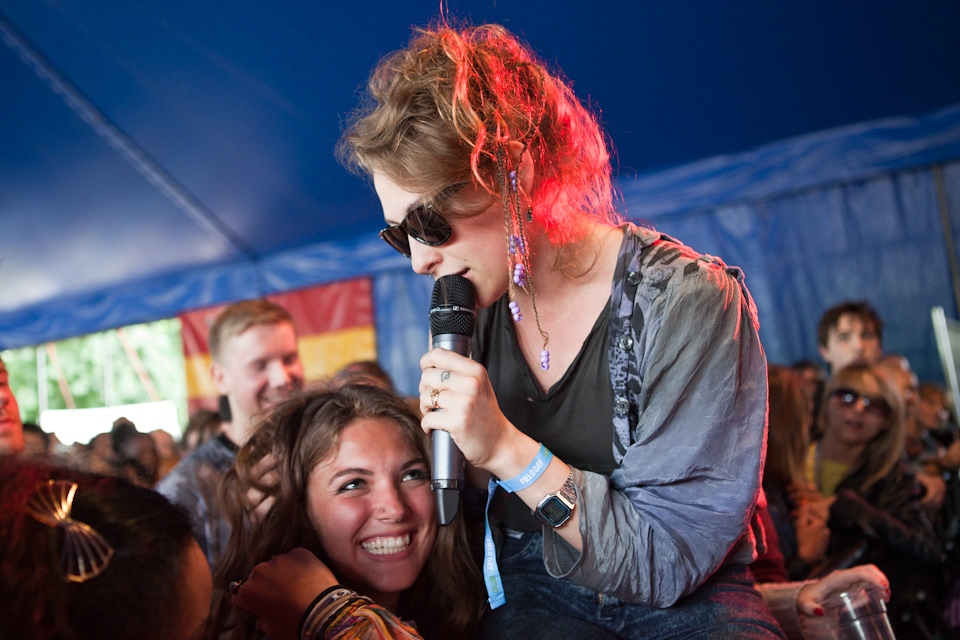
255, 364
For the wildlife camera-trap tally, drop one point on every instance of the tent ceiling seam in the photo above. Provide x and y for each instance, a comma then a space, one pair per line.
128, 149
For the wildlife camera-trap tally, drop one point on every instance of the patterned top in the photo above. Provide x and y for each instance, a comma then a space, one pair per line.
193, 484
341, 614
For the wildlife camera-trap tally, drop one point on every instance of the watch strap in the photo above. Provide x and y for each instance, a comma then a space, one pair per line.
569, 491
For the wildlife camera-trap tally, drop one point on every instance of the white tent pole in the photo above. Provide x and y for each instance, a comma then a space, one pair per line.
42, 402
947, 235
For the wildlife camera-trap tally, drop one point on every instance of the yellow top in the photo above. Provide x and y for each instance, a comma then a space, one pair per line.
824, 474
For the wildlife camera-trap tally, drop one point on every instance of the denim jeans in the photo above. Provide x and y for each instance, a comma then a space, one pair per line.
538, 605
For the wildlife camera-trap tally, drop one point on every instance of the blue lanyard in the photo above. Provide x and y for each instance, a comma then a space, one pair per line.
491, 572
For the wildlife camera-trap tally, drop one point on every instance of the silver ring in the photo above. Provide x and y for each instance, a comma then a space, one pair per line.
235, 586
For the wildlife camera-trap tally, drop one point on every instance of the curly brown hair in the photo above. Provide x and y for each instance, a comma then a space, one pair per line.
296, 436
440, 111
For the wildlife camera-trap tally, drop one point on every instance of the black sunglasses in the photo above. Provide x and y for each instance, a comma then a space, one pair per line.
849, 397
424, 224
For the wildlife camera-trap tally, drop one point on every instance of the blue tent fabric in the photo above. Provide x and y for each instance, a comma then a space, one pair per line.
837, 155
161, 156
850, 213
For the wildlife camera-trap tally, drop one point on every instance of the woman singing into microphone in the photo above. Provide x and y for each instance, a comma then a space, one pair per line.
616, 398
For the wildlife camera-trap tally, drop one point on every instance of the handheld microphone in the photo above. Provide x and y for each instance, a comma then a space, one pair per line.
452, 318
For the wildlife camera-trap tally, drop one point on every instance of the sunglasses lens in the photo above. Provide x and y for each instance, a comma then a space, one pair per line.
848, 398
423, 224
396, 237
876, 406
427, 226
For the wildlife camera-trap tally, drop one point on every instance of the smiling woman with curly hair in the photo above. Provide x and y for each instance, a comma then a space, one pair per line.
343, 474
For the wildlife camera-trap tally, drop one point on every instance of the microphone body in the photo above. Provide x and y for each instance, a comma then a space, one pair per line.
452, 319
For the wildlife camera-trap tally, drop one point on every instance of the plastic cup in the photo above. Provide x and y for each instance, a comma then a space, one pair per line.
859, 614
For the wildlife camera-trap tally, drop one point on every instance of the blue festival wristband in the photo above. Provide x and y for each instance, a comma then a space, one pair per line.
491, 572
529, 475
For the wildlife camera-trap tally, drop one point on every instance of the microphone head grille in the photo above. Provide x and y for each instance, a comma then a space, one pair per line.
452, 306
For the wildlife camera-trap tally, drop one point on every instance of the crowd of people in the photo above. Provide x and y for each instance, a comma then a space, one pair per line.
689, 490
854, 473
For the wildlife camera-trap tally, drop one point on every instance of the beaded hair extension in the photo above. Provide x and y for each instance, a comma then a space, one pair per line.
518, 254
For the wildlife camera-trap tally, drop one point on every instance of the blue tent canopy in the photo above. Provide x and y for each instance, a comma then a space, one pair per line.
161, 156
870, 211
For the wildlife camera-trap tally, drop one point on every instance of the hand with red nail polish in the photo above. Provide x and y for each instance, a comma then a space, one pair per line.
867, 576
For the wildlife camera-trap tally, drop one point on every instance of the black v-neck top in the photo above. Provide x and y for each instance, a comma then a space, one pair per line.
574, 418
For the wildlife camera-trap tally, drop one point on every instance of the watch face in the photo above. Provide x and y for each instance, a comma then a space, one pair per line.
553, 512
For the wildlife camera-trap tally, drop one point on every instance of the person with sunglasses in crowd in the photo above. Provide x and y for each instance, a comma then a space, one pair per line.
613, 410
871, 501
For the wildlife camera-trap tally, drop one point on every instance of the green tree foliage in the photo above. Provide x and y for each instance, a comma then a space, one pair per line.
22, 370
98, 371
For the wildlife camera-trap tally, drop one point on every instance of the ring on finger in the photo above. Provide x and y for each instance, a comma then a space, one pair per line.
434, 396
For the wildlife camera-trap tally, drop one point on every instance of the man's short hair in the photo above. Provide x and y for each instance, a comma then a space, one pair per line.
859, 308
239, 317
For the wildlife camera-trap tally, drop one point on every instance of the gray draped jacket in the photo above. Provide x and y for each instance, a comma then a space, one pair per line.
690, 396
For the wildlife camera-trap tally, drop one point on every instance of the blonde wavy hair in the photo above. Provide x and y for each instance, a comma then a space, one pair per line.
439, 112
885, 450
